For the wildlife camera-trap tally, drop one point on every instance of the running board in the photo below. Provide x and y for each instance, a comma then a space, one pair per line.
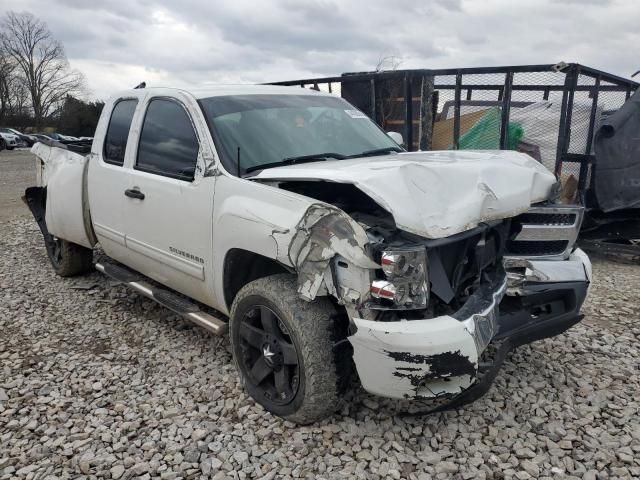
180, 305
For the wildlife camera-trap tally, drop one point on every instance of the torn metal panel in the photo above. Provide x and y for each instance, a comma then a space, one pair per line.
436, 194
480, 313
352, 285
324, 232
414, 359
523, 273
427, 357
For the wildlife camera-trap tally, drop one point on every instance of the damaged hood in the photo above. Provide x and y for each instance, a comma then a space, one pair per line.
436, 194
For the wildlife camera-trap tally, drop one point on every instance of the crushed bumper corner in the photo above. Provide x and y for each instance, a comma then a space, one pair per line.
427, 358
445, 356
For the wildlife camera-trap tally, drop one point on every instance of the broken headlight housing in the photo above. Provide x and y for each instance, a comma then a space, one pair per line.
405, 285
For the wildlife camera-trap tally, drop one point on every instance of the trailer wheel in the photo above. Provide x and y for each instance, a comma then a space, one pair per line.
67, 258
283, 349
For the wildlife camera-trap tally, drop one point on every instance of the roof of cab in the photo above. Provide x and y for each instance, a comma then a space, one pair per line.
225, 90
222, 90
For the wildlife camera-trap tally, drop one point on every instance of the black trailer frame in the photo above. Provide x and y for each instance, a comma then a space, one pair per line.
413, 101
503, 86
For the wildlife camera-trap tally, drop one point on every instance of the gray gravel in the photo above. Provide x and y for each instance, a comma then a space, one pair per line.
100, 382
17, 172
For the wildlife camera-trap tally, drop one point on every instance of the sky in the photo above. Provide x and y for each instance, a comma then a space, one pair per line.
119, 43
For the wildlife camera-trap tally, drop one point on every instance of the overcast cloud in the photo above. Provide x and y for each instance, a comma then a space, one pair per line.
119, 43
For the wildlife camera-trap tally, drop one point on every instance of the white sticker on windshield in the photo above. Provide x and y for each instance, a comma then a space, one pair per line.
355, 114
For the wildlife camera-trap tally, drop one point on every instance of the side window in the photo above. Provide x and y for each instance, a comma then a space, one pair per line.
168, 144
115, 143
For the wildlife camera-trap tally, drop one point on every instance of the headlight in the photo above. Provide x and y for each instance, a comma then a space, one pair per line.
405, 286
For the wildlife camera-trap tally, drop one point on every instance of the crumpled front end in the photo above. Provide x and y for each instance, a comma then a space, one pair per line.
423, 309
442, 350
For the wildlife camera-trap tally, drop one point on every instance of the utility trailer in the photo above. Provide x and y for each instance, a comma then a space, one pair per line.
553, 112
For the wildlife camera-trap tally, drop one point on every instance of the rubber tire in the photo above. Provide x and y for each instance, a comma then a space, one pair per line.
312, 328
3, 145
10, 148
76, 260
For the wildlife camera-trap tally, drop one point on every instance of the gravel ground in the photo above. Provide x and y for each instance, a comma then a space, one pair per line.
100, 382
17, 172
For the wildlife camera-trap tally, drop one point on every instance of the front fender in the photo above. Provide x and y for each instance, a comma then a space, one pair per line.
296, 231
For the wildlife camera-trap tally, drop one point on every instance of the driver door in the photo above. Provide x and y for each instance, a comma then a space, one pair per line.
169, 201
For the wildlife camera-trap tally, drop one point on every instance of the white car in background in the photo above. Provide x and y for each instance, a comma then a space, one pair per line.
9, 141
24, 140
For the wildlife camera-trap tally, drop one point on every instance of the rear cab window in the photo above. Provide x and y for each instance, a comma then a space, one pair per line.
168, 143
115, 143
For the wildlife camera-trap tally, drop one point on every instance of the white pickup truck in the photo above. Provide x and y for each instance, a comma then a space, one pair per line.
290, 217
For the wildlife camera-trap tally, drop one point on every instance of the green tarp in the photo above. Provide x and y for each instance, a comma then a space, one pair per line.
485, 133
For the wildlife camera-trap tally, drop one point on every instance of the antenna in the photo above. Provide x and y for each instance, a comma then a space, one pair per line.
140, 85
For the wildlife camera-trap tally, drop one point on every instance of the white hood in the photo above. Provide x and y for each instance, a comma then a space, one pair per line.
436, 194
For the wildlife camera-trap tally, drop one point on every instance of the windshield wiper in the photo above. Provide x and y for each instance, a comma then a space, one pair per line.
377, 151
301, 159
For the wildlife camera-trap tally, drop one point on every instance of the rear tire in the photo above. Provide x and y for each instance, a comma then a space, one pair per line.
67, 258
283, 348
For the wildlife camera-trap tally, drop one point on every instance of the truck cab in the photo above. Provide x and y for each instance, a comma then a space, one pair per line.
289, 217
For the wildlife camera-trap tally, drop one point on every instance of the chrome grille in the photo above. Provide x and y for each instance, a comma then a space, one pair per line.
548, 218
548, 231
527, 248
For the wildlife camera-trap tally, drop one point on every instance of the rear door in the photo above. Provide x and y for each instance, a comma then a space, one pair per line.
108, 174
169, 200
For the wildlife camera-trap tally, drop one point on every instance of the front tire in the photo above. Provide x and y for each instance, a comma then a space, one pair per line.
283, 348
68, 259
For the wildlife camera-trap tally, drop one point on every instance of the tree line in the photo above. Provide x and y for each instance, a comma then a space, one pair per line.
38, 88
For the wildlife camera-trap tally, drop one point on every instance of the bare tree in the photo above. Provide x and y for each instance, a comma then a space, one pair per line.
40, 61
6, 77
19, 98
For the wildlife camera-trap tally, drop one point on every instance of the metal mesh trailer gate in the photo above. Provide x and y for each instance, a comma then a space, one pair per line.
549, 111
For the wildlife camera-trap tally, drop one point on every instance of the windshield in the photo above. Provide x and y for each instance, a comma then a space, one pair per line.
264, 130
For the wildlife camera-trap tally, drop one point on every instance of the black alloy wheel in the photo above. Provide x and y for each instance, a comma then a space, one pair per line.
284, 349
269, 358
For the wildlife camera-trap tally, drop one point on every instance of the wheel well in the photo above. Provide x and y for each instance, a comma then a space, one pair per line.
242, 266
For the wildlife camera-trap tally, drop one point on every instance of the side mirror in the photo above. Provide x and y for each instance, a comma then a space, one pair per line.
396, 137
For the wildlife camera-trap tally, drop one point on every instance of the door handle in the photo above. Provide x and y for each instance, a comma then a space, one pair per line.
134, 193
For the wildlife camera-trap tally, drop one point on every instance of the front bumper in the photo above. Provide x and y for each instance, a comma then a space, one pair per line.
440, 356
